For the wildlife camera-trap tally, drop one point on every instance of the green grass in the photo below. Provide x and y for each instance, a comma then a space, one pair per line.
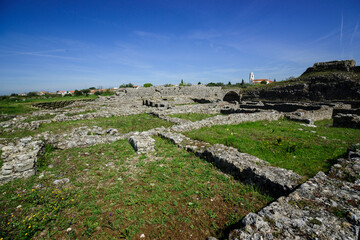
193, 116
40, 117
18, 106
78, 113
115, 193
124, 124
282, 144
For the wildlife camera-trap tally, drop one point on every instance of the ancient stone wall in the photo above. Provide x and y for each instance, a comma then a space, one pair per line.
160, 92
324, 207
58, 104
20, 160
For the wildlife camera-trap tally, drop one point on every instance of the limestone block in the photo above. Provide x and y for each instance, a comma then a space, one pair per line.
23, 166
142, 143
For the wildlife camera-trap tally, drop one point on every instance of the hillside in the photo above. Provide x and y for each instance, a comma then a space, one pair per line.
328, 81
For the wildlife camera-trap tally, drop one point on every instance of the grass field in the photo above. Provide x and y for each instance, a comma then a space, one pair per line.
18, 106
284, 143
114, 193
124, 124
193, 116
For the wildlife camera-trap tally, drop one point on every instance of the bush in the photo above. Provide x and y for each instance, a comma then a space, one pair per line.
211, 84
32, 94
85, 91
129, 85
147, 85
78, 93
263, 82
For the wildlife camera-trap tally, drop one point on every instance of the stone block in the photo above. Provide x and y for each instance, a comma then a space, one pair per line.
26, 165
142, 143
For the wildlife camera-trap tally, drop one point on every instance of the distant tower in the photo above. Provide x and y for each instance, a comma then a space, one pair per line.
252, 77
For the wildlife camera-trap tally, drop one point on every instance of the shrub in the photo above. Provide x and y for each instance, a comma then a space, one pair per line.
78, 93
263, 82
32, 94
129, 85
147, 85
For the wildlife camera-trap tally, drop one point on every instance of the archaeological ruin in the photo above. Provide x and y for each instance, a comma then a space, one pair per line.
302, 209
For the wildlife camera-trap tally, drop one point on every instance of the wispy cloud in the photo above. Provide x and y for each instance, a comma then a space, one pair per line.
354, 32
41, 54
151, 35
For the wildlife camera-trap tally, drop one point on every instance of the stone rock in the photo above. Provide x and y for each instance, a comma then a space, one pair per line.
61, 181
142, 143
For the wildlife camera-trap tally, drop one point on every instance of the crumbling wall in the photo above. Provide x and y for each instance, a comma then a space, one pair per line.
160, 91
20, 159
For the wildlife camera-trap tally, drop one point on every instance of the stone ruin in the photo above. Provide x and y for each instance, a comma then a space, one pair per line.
303, 210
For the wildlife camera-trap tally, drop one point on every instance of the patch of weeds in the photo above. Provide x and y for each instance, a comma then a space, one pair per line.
315, 221
43, 160
118, 197
39, 210
124, 124
40, 117
194, 117
79, 113
338, 212
282, 144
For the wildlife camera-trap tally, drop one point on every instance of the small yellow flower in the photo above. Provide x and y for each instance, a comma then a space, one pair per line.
42, 197
33, 215
8, 223
25, 234
32, 190
29, 226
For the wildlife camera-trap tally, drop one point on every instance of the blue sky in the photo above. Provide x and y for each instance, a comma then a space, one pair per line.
65, 45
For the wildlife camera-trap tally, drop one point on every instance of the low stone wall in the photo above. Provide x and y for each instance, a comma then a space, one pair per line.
20, 159
229, 119
142, 142
243, 166
346, 120
58, 104
310, 116
160, 92
158, 104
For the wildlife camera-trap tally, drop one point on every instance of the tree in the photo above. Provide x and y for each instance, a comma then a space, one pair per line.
97, 93
86, 92
32, 94
229, 83
199, 83
77, 93
263, 82
147, 85
274, 79
92, 88
242, 82
129, 85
